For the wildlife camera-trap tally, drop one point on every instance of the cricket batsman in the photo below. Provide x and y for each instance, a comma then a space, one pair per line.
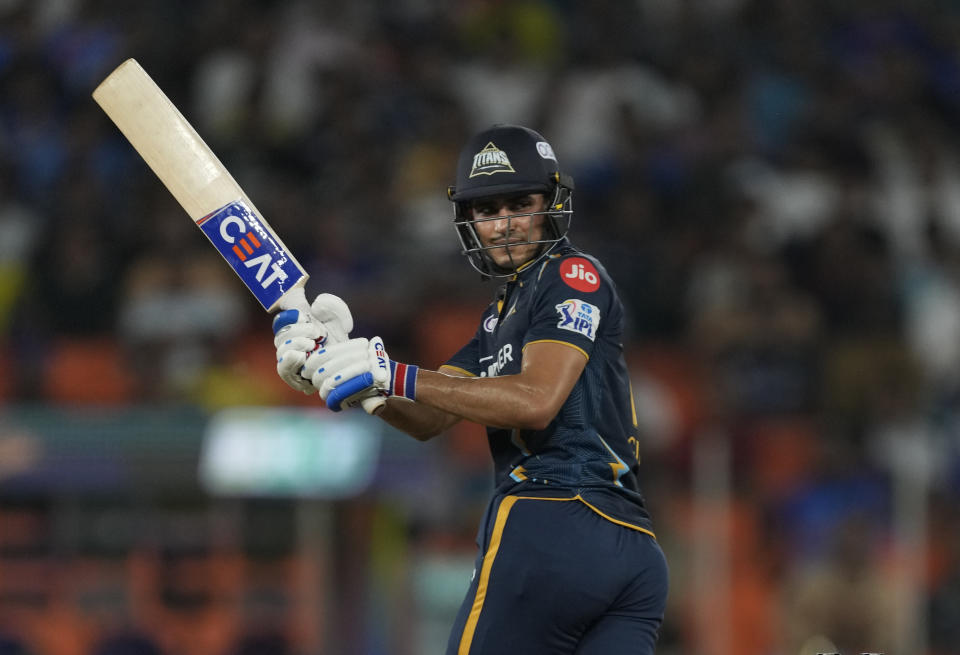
567, 559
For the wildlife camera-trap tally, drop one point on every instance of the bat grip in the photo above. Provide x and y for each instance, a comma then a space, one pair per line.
373, 405
342, 394
295, 302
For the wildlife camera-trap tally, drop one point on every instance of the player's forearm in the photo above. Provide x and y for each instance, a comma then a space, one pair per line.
510, 401
420, 421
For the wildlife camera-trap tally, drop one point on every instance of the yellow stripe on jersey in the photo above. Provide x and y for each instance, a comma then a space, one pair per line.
619, 467
519, 474
617, 521
633, 405
547, 261
526, 264
607, 517
456, 369
562, 343
518, 441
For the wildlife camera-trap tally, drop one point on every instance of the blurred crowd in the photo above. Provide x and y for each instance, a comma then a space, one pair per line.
774, 185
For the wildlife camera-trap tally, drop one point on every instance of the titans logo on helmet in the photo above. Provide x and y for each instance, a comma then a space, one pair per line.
491, 160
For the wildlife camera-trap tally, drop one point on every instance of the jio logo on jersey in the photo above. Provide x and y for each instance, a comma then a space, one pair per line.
580, 274
579, 316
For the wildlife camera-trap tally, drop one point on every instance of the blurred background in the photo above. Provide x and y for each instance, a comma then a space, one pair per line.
774, 185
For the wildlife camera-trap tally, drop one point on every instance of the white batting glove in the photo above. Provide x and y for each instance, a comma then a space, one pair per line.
293, 342
298, 334
356, 360
334, 314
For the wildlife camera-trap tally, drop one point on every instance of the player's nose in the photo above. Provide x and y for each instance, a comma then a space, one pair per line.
502, 222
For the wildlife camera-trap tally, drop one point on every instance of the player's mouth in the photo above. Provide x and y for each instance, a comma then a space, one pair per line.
502, 243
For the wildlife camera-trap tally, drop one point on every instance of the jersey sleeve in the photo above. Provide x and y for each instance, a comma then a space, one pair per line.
573, 300
467, 359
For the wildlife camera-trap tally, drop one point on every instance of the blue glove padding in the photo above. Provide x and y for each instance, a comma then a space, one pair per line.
349, 388
395, 379
285, 318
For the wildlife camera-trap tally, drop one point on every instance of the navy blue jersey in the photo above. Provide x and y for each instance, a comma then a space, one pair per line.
592, 445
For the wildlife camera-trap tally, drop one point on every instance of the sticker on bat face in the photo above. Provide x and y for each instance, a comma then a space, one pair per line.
253, 251
580, 274
579, 316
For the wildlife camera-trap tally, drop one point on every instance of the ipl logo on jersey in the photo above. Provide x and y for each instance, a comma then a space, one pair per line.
491, 160
579, 316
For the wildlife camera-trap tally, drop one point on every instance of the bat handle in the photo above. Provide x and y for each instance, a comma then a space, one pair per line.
373, 405
295, 301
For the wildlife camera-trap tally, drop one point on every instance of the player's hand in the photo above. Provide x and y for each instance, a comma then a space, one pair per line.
294, 341
365, 366
333, 364
298, 334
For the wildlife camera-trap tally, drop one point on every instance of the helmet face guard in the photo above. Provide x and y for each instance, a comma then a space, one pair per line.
557, 216
505, 161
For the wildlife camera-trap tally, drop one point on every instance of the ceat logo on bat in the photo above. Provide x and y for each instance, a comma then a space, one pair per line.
579, 316
580, 274
250, 249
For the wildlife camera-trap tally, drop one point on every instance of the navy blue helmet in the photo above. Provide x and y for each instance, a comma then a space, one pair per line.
506, 160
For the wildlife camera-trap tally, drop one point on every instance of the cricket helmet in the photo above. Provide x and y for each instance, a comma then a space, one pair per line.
506, 160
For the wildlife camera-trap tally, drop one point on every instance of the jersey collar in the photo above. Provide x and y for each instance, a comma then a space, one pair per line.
523, 271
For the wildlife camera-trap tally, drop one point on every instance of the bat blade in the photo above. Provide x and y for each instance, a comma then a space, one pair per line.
201, 184
205, 189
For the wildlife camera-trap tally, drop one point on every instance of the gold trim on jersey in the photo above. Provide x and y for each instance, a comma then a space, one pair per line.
618, 467
613, 520
563, 343
547, 261
518, 441
526, 265
457, 369
581, 499
519, 474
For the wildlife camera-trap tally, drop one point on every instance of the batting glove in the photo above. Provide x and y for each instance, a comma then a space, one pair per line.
344, 373
297, 334
334, 314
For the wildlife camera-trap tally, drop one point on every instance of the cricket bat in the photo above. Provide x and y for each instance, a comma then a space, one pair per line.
211, 197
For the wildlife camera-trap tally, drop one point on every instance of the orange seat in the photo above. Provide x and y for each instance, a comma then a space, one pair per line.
87, 371
784, 453
451, 326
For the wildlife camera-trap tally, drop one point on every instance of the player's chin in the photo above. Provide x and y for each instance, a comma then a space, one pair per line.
512, 257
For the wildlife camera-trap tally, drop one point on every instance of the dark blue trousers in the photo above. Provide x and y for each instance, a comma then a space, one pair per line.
555, 577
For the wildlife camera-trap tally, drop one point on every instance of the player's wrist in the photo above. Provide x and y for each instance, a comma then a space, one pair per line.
403, 380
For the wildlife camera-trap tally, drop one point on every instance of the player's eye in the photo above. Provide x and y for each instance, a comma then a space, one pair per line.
522, 204
485, 209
